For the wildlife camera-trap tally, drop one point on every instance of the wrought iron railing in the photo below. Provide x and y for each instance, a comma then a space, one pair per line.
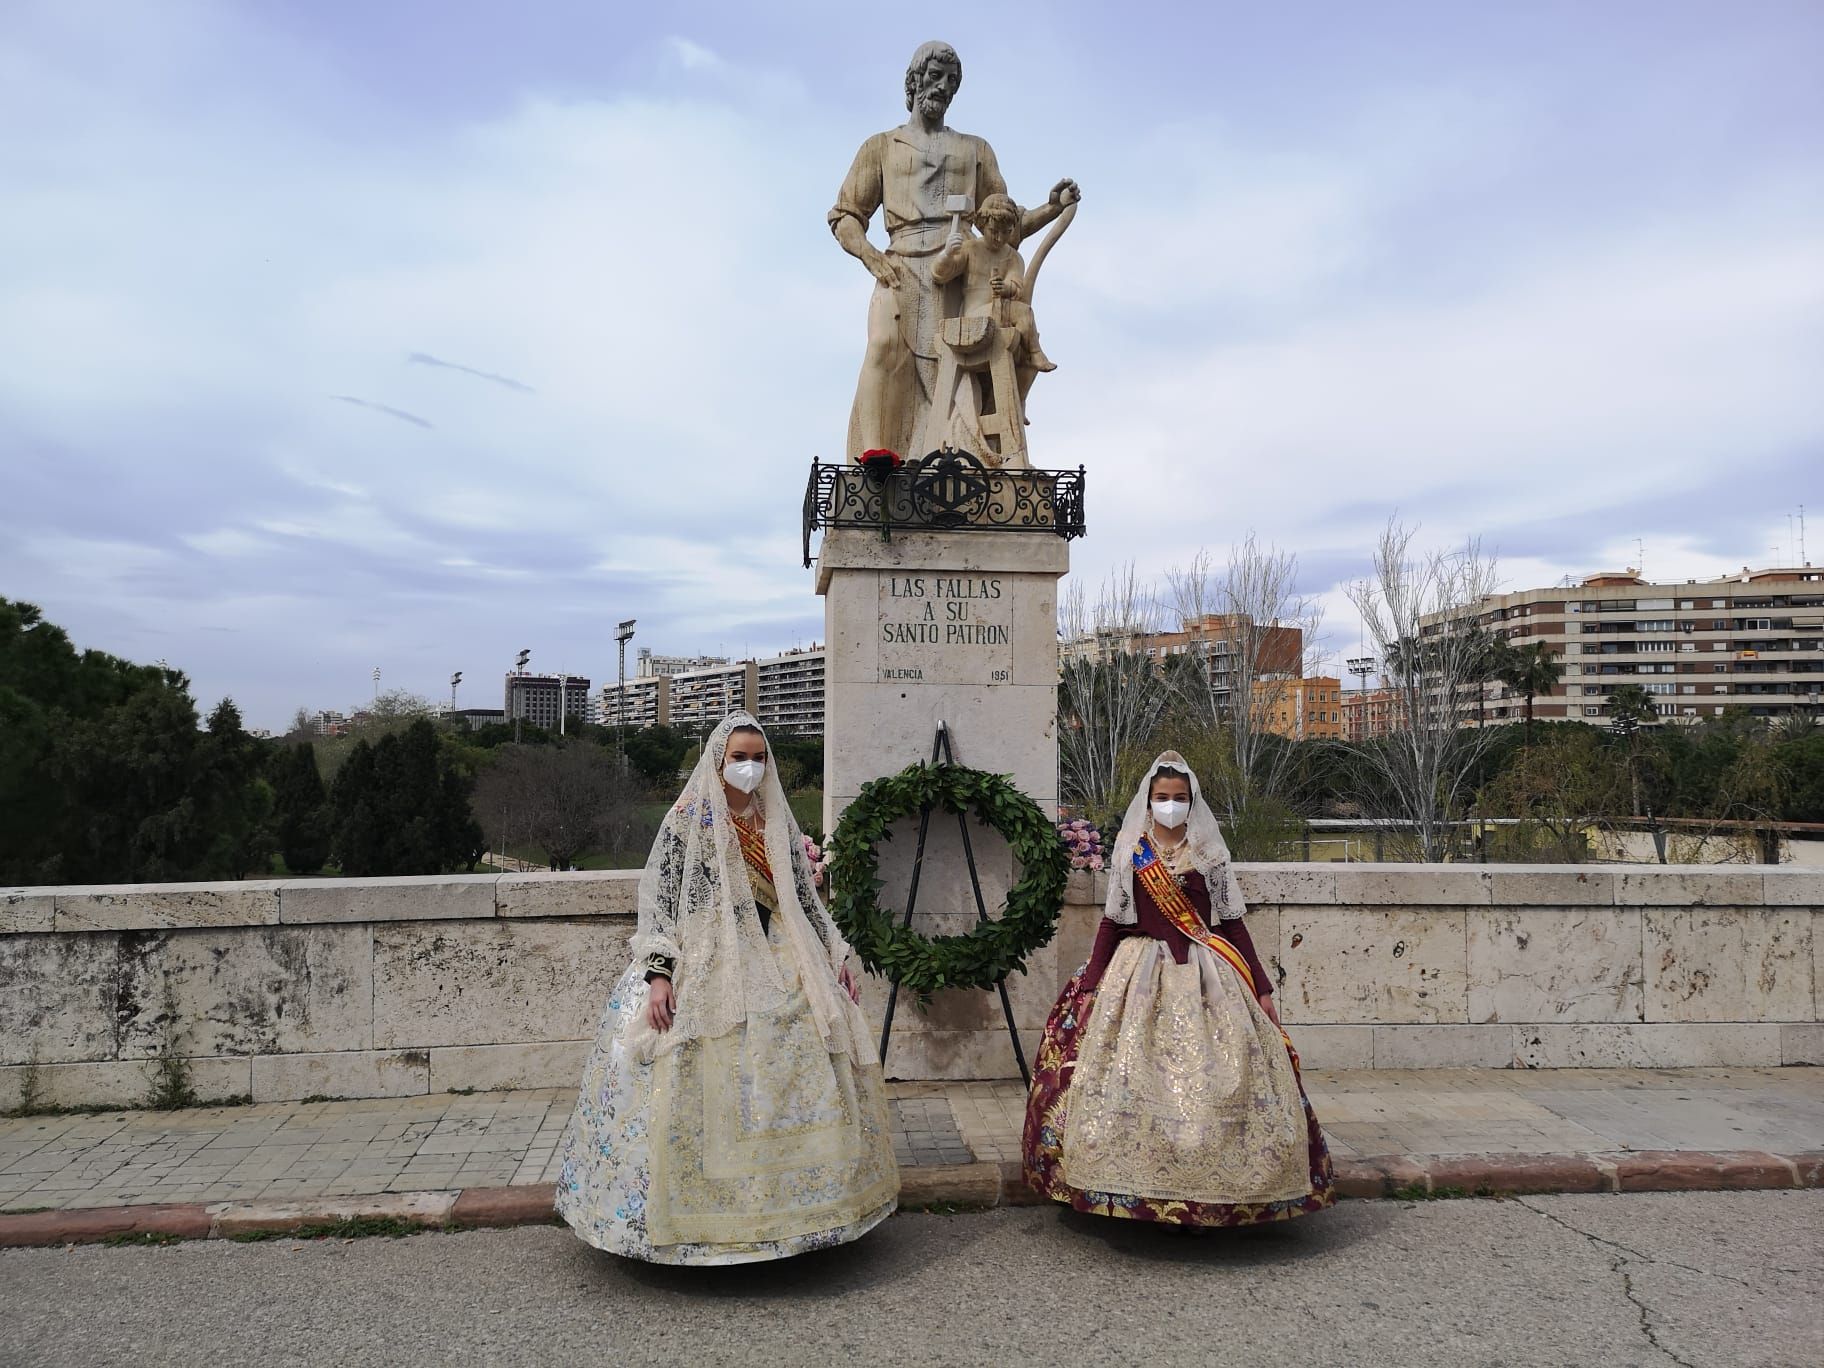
947, 491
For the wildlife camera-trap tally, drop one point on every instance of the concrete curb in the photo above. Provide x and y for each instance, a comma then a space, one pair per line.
974, 1186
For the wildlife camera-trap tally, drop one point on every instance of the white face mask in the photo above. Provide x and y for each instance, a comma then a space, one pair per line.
1170, 813
744, 775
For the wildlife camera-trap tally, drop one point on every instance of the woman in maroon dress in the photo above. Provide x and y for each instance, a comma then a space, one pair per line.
1165, 1089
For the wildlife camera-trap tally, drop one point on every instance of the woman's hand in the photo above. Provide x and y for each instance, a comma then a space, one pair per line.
1266, 1005
846, 978
658, 1003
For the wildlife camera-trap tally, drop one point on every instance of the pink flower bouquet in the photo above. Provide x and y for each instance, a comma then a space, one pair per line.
814, 854
1083, 842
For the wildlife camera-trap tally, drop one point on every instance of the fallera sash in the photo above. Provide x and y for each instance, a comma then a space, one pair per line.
1168, 895
759, 868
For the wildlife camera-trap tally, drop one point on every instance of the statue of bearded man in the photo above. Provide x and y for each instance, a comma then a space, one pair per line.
910, 172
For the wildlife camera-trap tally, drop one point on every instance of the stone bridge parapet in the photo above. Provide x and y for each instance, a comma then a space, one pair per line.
388, 987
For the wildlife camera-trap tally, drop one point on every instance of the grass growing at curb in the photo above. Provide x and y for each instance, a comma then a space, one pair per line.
1412, 1192
142, 1237
349, 1228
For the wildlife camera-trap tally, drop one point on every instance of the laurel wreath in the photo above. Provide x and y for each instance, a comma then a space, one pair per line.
990, 950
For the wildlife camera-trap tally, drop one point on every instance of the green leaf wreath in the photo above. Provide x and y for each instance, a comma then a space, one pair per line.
989, 951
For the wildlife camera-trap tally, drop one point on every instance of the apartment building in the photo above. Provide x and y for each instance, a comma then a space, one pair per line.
1308, 708
702, 698
790, 692
1368, 713
1751, 641
785, 692
535, 698
1221, 640
648, 665
641, 702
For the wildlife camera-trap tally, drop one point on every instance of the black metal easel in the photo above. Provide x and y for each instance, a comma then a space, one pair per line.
940, 747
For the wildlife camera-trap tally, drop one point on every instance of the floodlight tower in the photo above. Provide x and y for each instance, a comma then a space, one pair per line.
518, 695
1361, 666
622, 635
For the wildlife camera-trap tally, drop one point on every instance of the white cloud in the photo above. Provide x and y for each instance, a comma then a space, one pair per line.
1250, 337
226, 542
693, 56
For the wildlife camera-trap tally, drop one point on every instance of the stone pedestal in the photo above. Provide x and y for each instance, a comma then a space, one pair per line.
958, 627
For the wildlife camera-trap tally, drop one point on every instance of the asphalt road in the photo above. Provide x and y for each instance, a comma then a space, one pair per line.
1697, 1279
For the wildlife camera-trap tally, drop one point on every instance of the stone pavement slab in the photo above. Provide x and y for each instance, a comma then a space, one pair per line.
958, 1143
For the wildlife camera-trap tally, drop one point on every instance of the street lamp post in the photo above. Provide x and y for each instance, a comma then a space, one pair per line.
1361, 666
455, 679
518, 696
622, 635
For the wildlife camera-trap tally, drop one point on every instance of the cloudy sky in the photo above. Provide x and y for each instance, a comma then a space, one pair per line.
408, 333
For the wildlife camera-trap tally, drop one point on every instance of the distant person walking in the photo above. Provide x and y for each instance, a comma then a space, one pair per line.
733, 1109
1165, 1089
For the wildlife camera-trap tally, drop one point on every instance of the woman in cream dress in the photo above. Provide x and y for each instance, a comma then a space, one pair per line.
1165, 1089
733, 1109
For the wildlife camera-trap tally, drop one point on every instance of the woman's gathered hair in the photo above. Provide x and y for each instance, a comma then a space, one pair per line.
1164, 772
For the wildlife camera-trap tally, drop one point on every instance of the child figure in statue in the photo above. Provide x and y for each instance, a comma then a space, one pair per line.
994, 281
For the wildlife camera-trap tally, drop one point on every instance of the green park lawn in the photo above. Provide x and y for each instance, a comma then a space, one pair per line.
807, 807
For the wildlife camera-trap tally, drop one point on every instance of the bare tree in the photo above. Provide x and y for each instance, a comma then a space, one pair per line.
305, 728
563, 800
395, 704
1563, 791
1110, 694
1420, 608
1254, 635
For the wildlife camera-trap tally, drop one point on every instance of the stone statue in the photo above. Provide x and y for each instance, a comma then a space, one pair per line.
989, 354
926, 176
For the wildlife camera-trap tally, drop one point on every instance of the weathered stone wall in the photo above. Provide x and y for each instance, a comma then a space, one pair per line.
384, 987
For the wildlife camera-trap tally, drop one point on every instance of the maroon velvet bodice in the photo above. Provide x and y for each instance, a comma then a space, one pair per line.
1150, 921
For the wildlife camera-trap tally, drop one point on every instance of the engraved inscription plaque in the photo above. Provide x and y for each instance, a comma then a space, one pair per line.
945, 628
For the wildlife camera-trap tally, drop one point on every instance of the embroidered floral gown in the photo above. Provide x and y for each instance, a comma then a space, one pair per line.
1163, 1092
757, 1144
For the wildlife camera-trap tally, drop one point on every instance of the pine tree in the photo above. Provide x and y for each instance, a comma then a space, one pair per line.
357, 840
402, 807
303, 816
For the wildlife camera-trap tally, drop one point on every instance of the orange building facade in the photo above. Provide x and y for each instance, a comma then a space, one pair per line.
1302, 709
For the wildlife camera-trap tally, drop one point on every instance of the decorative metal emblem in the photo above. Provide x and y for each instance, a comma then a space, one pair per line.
949, 488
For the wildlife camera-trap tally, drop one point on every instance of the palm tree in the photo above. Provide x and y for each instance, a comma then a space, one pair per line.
1488, 655
1796, 724
1531, 670
1631, 708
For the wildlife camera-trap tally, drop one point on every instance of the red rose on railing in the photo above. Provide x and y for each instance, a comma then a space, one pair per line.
880, 461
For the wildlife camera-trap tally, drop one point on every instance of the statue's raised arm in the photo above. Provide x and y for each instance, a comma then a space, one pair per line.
927, 180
